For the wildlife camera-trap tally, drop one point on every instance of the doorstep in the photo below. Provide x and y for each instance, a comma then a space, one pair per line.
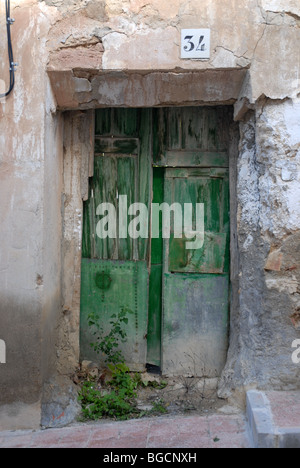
274, 418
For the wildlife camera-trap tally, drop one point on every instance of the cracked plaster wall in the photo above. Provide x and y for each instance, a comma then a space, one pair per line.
134, 35
266, 322
254, 64
30, 232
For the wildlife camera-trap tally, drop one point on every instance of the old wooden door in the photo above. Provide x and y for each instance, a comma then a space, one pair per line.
191, 148
178, 297
115, 269
196, 281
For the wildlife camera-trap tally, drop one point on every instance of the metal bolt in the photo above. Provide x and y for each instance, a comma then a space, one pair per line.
14, 65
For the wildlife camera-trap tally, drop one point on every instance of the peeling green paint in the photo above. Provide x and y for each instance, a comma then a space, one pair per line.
184, 153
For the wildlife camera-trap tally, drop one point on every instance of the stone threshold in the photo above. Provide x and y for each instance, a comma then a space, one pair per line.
274, 419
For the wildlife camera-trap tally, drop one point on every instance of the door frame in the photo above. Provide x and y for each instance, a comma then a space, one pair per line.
78, 167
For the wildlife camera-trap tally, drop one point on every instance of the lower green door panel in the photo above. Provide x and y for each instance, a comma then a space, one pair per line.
196, 282
195, 325
106, 287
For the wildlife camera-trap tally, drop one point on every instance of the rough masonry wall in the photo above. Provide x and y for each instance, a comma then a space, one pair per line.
267, 321
82, 54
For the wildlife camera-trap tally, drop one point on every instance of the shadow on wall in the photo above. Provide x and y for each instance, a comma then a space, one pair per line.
20, 328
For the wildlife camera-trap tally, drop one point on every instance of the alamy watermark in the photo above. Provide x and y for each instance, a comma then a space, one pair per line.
2, 352
296, 353
114, 221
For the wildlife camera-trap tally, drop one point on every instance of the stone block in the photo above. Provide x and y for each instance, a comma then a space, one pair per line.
259, 419
274, 261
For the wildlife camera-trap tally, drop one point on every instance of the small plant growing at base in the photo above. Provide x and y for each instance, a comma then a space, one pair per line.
159, 407
108, 344
116, 399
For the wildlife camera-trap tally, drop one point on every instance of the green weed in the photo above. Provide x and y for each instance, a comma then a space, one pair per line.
117, 397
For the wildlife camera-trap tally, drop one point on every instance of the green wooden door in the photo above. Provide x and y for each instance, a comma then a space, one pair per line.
191, 147
196, 281
178, 297
115, 269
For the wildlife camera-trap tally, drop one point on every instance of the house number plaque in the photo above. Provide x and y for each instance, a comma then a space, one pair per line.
195, 43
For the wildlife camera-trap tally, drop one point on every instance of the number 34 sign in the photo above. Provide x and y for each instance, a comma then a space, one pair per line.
195, 43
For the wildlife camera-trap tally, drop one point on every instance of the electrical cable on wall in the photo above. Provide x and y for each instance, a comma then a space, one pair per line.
12, 64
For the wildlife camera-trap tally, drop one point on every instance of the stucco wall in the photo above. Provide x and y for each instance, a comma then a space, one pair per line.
267, 319
30, 234
145, 35
63, 48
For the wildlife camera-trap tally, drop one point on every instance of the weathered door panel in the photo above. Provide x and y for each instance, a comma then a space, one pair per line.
209, 259
107, 287
115, 270
192, 145
114, 175
210, 188
191, 136
196, 281
194, 159
195, 328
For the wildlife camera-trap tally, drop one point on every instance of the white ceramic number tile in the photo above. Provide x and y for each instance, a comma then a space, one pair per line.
195, 43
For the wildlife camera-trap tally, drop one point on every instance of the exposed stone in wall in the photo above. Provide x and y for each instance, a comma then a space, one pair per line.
97, 11
278, 155
87, 57
279, 146
60, 405
267, 321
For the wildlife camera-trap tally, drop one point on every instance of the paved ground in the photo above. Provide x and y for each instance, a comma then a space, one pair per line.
285, 408
273, 419
216, 431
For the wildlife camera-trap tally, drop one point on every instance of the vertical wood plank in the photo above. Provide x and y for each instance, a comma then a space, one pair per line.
126, 122
126, 183
145, 174
105, 191
103, 122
